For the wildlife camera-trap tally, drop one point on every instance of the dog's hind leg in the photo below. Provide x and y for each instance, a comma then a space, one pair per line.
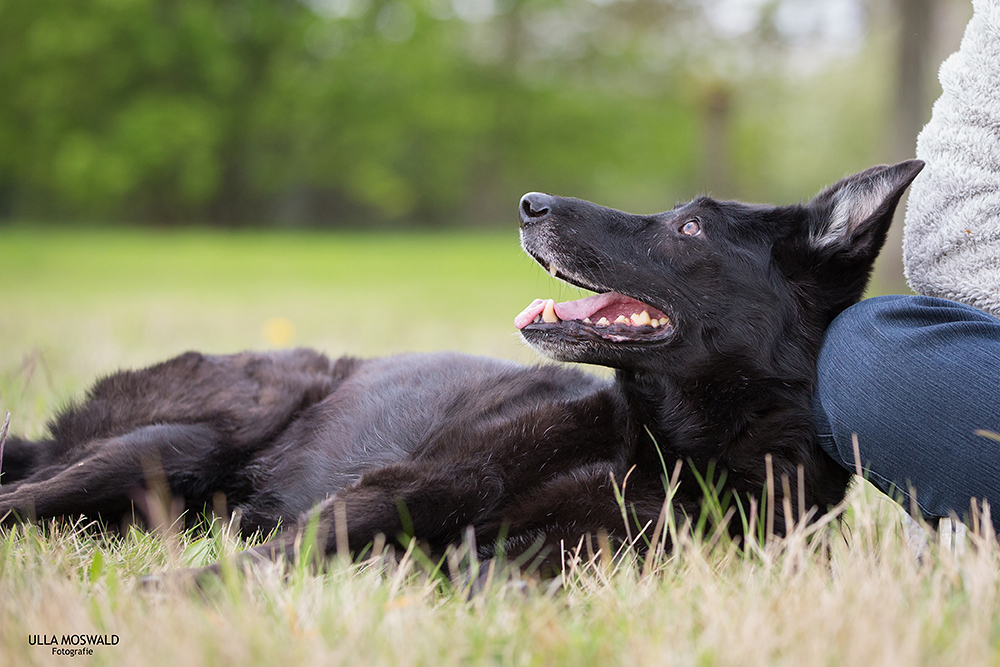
104, 481
248, 397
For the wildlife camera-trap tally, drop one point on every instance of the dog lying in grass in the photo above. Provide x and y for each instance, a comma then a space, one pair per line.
711, 315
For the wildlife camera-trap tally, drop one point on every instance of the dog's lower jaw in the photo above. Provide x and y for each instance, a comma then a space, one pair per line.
572, 342
559, 349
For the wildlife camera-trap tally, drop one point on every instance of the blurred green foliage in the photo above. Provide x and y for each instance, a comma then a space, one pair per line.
367, 112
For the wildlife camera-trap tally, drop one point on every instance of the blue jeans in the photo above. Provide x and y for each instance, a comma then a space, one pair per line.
915, 378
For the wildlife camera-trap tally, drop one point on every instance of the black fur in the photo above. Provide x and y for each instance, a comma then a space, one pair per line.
429, 445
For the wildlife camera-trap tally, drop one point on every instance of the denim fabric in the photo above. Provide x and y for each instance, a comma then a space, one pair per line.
915, 377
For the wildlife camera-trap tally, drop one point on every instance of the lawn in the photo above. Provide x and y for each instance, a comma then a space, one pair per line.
78, 303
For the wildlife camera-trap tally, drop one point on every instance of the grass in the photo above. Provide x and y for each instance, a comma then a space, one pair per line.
75, 304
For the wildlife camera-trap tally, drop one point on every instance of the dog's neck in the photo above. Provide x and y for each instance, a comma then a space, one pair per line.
716, 417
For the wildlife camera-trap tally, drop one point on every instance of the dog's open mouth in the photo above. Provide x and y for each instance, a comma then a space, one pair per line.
606, 316
610, 315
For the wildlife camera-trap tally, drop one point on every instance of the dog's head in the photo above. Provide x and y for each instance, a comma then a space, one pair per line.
708, 278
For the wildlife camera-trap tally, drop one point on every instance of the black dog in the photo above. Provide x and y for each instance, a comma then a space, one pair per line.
711, 313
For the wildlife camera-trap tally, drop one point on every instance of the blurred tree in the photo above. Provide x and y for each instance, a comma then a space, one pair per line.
132, 107
360, 112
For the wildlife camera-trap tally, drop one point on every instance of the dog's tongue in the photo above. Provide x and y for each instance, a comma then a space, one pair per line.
609, 305
528, 315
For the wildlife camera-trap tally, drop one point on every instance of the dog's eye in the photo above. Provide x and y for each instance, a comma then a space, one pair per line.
691, 228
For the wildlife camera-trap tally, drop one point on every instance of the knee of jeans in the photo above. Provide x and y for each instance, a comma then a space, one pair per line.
858, 335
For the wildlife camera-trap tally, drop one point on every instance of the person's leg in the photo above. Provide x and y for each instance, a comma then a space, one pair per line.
915, 377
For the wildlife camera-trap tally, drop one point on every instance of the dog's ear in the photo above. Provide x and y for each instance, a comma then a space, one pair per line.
854, 214
840, 233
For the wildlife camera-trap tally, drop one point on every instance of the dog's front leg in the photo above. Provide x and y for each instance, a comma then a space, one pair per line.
432, 501
587, 508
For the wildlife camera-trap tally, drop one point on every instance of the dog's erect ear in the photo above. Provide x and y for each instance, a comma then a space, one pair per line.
854, 214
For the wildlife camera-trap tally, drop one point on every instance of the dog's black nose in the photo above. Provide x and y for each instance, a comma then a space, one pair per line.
535, 206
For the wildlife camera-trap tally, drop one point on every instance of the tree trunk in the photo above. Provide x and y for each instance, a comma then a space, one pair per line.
911, 110
716, 100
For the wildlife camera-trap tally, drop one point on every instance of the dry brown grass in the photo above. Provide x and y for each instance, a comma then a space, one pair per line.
851, 595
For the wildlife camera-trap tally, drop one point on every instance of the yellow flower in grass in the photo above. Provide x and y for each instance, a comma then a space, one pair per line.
278, 331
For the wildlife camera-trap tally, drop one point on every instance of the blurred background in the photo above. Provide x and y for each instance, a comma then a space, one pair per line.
227, 174
375, 113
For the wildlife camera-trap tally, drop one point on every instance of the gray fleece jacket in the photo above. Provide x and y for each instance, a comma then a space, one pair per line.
951, 237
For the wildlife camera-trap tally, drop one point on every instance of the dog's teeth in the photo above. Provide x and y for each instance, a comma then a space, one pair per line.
620, 320
639, 319
664, 321
552, 270
549, 314
654, 323
603, 322
586, 320
538, 318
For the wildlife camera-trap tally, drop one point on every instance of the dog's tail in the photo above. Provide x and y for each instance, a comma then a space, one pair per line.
21, 458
